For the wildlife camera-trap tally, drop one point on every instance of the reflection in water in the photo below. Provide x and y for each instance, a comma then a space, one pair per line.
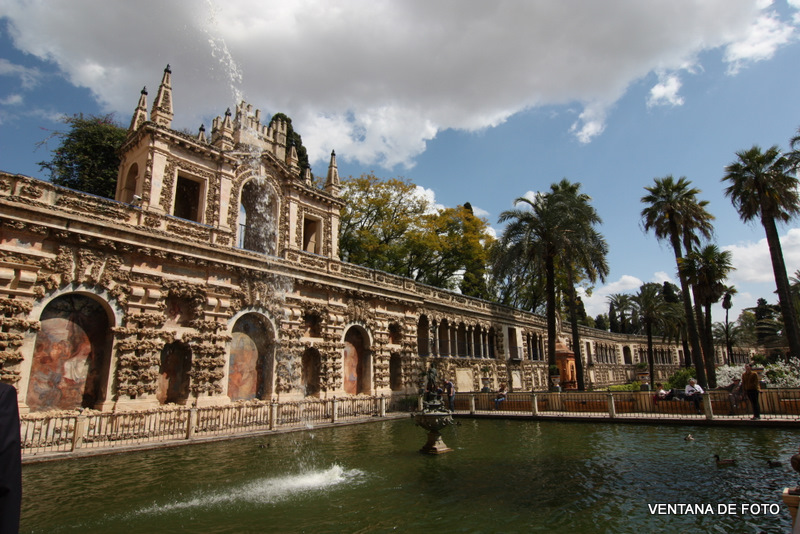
503, 476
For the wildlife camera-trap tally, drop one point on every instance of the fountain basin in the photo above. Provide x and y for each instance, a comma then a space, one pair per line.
433, 422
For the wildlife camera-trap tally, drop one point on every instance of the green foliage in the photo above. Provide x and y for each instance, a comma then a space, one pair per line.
87, 158
632, 386
681, 378
391, 226
293, 139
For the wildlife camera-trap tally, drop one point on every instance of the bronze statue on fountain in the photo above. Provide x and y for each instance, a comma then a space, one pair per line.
434, 416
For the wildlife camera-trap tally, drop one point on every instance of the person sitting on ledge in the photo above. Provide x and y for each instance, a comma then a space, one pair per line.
661, 394
694, 393
501, 396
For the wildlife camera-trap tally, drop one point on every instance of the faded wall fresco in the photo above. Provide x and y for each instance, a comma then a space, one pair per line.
353, 351
69, 355
250, 370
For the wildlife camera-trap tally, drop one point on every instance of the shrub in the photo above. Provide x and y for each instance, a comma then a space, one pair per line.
633, 386
681, 378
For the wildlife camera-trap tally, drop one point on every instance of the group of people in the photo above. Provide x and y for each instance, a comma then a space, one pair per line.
748, 387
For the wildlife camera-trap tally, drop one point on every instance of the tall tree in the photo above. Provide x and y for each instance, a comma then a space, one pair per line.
621, 303
532, 237
671, 205
707, 269
583, 255
87, 159
761, 185
654, 312
376, 220
727, 304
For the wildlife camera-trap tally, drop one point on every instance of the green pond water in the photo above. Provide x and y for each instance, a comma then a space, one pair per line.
503, 476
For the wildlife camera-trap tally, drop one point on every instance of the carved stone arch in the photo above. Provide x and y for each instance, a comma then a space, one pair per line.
131, 185
251, 357
71, 363
360, 311
257, 213
357, 368
243, 174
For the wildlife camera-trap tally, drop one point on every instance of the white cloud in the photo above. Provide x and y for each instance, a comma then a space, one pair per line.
660, 277
752, 260
377, 80
11, 100
28, 77
665, 92
763, 38
597, 303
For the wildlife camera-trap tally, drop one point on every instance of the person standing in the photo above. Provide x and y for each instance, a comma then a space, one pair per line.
450, 391
752, 387
10, 461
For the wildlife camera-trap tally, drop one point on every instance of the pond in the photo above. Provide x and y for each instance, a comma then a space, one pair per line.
503, 476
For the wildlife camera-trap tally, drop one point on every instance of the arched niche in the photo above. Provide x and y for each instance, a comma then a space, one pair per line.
130, 184
311, 367
71, 355
396, 372
252, 358
357, 364
258, 217
173, 373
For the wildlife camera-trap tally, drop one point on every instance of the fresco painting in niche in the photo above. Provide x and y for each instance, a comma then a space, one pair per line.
249, 372
353, 349
173, 377
68, 355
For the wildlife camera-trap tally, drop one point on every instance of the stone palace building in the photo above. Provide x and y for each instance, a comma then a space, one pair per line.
214, 277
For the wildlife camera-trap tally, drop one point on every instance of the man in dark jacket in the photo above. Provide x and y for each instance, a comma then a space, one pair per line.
10, 461
752, 387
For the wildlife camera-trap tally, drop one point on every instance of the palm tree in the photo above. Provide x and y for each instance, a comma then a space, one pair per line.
706, 269
583, 252
653, 311
673, 205
761, 185
727, 304
531, 239
622, 305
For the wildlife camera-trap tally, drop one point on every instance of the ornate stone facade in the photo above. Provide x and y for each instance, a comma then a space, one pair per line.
214, 277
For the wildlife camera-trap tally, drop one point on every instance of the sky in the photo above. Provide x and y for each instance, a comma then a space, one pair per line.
474, 101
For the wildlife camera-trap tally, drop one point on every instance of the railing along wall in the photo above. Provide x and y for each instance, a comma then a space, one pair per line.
779, 404
65, 433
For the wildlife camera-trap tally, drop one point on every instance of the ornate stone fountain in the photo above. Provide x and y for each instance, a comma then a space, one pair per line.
433, 417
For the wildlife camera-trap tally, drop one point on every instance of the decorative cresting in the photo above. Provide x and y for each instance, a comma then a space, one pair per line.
14, 329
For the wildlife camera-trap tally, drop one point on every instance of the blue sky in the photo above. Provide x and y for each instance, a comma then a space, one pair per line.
475, 101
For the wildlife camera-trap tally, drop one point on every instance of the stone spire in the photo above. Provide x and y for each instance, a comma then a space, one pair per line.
222, 131
332, 182
140, 114
201, 134
161, 113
